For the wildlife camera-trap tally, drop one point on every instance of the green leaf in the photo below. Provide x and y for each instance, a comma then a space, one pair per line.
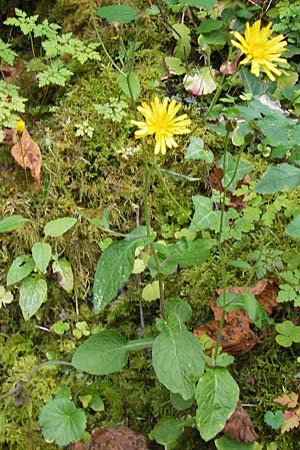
170, 351
281, 178
96, 403
289, 333
62, 422
174, 65
190, 253
33, 293
41, 253
249, 304
2, 423
117, 13
196, 151
151, 291
6, 297
103, 353
209, 25
178, 175
204, 217
216, 394
274, 420
58, 227
166, 431
293, 228
130, 85
226, 443
60, 327
114, 267
64, 272
179, 403
233, 175
21, 267
11, 223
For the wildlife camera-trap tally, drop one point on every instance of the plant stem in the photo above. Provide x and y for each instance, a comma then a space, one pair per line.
101, 41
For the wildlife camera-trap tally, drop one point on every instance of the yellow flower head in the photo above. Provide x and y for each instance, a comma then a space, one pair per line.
261, 51
160, 120
20, 127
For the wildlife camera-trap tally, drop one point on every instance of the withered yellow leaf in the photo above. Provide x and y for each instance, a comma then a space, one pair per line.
27, 154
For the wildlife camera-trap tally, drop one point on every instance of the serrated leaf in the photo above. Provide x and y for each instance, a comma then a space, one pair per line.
62, 422
33, 293
21, 267
190, 253
103, 353
11, 223
117, 13
169, 350
151, 291
58, 227
293, 228
114, 267
204, 216
41, 252
166, 431
196, 151
64, 272
216, 394
282, 178
130, 85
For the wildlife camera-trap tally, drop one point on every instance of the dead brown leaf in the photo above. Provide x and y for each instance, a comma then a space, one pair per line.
290, 400
117, 438
291, 421
239, 426
11, 73
27, 154
237, 338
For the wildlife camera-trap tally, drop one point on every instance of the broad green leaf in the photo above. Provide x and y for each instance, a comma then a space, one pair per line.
62, 422
96, 403
281, 178
117, 13
167, 430
170, 351
103, 353
209, 25
235, 171
151, 291
114, 267
216, 394
293, 228
196, 151
41, 252
206, 4
226, 443
249, 304
11, 223
64, 272
179, 403
58, 227
204, 217
21, 267
130, 85
33, 293
190, 253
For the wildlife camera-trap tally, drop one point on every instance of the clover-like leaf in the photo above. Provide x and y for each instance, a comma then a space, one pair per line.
288, 333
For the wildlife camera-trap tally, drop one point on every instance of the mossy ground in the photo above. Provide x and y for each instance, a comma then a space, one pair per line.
82, 176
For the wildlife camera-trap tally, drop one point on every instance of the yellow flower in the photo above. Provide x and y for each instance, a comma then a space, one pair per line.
261, 51
160, 120
20, 127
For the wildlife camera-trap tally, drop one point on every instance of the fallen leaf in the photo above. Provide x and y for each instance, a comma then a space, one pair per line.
237, 338
27, 154
290, 400
11, 73
239, 426
292, 421
229, 67
117, 438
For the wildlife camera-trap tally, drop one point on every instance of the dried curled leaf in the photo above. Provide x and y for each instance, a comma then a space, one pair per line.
27, 154
239, 426
292, 420
117, 438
